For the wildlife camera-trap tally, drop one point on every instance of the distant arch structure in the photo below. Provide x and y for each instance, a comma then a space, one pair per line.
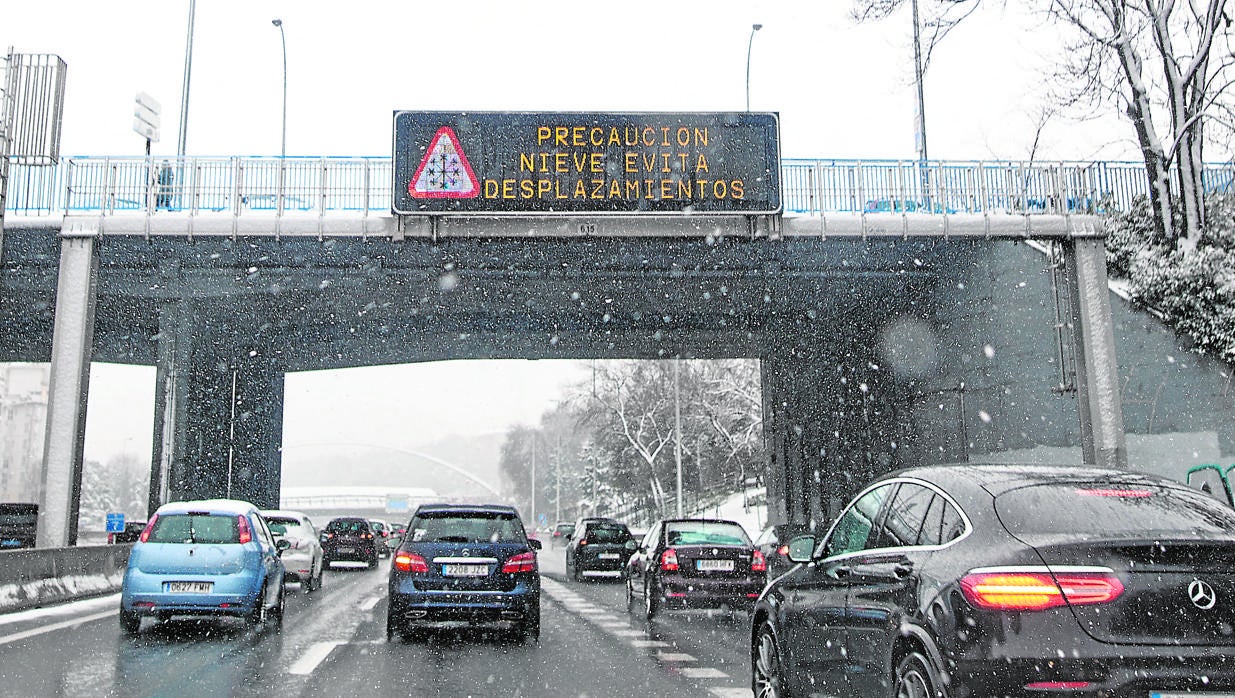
391, 449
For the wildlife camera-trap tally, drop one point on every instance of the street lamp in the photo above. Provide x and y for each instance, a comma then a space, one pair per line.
283, 37
753, 28
182, 136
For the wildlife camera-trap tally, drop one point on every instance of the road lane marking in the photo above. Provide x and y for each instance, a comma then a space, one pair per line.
369, 604
675, 657
56, 626
720, 692
643, 644
313, 656
703, 672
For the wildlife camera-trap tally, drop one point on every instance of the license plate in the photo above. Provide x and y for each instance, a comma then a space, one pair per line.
608, 556
714, 565
190, 587
465, 570
345, 550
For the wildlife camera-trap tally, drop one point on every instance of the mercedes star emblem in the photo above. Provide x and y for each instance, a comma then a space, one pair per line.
1202, 594
466, 552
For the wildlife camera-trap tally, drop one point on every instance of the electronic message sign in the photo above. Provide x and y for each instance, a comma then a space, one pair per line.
571, 163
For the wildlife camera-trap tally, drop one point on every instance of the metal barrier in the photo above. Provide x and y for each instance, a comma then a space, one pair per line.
241, 185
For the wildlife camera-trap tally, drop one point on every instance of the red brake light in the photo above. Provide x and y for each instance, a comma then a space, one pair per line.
246, 535
410, 562
149, 527
583, 541
1038, 589
783, 550
669, 560
523, 562
758, 563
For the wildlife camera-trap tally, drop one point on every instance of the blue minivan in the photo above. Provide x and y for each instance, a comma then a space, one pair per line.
212, 557
466, 565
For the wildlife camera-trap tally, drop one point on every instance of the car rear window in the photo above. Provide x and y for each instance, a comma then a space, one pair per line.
704, 533
347, 526
281, 525
1113, 509
195, 528
607, 533
471, 527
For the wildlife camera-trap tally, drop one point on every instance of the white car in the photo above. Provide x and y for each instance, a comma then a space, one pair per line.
303, 559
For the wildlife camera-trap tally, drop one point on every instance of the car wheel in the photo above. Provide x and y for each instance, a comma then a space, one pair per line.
914, 678
316, 582
630, 594
766, 678
372, 561
392, 626
258, 615
651, 605
280, 606
130, 622
530, 632
576, 573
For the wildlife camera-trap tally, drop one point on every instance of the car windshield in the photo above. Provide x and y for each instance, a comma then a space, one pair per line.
705, 533
467, 528
195, 528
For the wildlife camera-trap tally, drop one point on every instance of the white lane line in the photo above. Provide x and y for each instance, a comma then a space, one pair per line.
731, 692
642, 644
370, 603
313, 656
675, 657
72, 608
703, 673
57, 626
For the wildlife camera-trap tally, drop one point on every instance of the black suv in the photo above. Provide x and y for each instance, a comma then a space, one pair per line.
350, 538
599, 547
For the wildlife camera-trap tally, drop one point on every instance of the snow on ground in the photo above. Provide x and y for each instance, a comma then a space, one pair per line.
738, 507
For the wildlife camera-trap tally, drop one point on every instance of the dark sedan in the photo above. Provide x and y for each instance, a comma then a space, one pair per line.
601, 548
1006, 580
694, 563
350, 539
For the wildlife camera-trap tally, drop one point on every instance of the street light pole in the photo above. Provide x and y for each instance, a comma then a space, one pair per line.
753, 28
182, 136
921, 125
283, 37
677, 426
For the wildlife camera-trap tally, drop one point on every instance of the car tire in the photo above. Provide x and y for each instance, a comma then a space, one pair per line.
315, 583
530, 631
767, 679
575, 573
651, 604
258, 615
630, 595
914, 677
130, 622
372, 561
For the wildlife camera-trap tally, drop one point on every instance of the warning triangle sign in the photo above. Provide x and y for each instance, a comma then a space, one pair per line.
444, 173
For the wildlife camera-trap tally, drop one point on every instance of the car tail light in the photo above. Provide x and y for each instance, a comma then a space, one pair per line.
783, 550
1037, 589
410, 562
758, 563
669, 560
246, 535
111, 538
149, 527
583, 541
523, 562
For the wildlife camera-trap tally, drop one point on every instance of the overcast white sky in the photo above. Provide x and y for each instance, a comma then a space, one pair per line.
841, 91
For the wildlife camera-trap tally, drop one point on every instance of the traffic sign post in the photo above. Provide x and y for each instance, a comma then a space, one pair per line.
115, 523
146, 120
725, 163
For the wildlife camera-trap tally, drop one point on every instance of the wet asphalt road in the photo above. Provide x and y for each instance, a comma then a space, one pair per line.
333, 643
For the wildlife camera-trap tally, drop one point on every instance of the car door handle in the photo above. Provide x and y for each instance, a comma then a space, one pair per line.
903, 570
840, 572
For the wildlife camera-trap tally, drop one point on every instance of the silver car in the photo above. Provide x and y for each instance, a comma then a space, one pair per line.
303, 559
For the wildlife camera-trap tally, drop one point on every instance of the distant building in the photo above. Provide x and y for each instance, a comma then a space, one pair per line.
23, 419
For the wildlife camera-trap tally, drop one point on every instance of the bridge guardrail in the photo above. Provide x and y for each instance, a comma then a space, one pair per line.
243, 185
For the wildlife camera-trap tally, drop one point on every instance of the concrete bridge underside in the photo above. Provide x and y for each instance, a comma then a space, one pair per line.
858, 338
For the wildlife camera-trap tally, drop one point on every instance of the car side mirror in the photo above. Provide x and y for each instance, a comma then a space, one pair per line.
801, 549
535, 544
282, 544
631, 545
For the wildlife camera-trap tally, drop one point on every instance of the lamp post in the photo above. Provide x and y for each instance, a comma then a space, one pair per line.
182, 136
753, 28
283, 37
920, 139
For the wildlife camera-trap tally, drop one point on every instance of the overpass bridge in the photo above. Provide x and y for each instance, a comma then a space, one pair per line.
899, 314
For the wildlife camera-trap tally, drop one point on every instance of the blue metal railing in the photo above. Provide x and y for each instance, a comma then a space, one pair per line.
242, 185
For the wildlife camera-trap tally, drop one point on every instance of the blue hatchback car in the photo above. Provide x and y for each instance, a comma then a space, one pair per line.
468, 565
212, 557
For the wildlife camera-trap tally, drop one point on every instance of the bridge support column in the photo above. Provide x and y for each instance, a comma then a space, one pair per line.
72, 340
1097, 378
257, 438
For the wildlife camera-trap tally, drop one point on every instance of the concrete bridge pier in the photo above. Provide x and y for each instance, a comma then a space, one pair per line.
218, 415
72, 342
